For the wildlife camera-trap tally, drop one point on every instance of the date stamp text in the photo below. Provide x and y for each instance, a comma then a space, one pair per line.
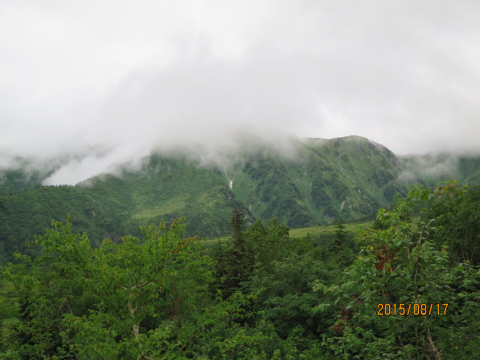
415, 309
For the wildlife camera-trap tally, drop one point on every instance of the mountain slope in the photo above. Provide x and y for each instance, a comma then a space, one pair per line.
325, 177
113, 206
307, 186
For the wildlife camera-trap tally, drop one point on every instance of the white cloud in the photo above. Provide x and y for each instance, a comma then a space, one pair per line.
128, 76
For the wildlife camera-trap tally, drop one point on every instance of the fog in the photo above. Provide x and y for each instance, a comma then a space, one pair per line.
103, 82
432, 165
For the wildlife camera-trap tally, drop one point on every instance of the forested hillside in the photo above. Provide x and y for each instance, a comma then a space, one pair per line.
308, 186
111, 206
408, 288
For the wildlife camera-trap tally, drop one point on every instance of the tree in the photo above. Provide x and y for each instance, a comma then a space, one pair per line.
267, 243
237, 224
340, 238
156, 277
459, 227
234, 263
286, 297
338, 251
402, 265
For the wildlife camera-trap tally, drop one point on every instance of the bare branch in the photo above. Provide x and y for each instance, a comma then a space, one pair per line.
403, 347
134, 286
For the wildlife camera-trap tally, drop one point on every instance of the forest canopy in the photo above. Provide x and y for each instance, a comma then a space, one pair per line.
259, 295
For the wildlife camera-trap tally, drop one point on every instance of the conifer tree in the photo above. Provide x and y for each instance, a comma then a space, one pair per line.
235, 263
237, 224
340, 253
340, 238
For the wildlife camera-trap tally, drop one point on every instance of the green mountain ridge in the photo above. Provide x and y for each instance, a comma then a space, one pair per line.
310, 187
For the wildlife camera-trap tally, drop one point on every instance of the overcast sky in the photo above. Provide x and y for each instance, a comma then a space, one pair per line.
122, 76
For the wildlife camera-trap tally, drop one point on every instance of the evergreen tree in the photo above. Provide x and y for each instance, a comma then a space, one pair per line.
237, 224
339, 253
340, 238
234, 264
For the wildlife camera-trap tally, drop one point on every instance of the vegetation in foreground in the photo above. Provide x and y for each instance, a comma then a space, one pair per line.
265, 295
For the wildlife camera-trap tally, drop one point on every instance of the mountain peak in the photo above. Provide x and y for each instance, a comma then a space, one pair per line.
345, 138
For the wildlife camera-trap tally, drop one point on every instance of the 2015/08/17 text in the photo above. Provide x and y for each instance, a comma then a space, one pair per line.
415, 309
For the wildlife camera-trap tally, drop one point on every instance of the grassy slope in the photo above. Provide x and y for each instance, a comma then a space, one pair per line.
324, 230
322, 234
172, 188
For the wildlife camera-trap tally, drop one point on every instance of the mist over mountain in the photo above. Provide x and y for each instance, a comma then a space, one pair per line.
302, 182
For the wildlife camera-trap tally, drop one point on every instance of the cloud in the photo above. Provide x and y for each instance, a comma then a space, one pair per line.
127, 78
207, 148
433, 165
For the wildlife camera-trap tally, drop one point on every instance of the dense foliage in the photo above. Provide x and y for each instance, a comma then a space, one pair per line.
260, 295
407, 261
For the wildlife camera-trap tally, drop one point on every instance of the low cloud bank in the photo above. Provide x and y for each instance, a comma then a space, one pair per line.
433, 165
208, 147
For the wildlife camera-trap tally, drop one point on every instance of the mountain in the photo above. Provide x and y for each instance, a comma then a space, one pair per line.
323, 178
22, 177
308, 185
112, 206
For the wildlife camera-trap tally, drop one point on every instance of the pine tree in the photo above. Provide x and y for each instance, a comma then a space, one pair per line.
234, 264
340, 238
237, 224
339, 252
